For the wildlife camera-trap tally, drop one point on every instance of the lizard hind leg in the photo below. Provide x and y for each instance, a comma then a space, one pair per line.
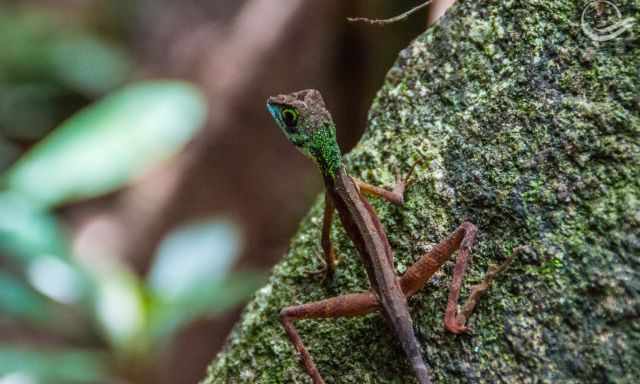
328, 253
341, 306
420, 272
350, 305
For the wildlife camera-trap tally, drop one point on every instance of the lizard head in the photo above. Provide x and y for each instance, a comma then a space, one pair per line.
305, 121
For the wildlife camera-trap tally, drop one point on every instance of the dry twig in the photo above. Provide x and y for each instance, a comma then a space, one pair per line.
394, 19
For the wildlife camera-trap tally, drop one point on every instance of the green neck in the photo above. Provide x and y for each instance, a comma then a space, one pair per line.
325, 150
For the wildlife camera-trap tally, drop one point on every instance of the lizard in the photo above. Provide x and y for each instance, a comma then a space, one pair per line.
304, 119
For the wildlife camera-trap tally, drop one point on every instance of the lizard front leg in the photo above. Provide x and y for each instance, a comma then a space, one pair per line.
350, 305
330, 259
327, 221
395, 195
421, 271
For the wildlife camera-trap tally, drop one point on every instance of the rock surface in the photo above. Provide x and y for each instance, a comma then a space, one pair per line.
532, 131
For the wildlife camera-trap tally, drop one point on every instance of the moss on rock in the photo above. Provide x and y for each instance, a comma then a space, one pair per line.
533, 133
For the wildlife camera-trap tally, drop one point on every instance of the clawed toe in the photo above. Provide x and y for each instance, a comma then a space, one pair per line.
456, 328
402, 183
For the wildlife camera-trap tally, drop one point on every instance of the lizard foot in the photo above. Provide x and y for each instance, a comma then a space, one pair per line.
456, 328
402, 183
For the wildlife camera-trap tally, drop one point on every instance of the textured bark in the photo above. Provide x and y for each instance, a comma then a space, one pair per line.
532, 131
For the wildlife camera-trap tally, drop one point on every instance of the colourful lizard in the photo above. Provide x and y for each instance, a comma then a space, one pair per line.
307, 124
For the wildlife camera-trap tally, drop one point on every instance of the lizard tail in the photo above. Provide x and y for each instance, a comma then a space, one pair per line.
397, 313
412, 351
421, 370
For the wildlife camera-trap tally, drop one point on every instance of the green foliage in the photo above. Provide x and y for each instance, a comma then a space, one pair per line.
190, 278
97, 151
191, 275
19, 301
45, 47
193, 255
49, 63
52, 366
121, 310
87, 64
103, 146
27, 231
214, 297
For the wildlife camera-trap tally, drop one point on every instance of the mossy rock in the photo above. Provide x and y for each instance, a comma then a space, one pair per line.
532, 131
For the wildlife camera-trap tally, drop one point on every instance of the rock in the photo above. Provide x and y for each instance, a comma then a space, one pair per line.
531, 130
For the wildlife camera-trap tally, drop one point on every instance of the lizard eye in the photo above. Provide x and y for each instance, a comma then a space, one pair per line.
290, 117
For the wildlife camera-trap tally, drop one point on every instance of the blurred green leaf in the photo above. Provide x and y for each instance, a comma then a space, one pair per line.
57, 279
8, 152
51, 64
34, 240
214, 297
121, 310
190, 275
27, 231
88, 64
102, 147
24, 37
54, 366
20, 301
29, 110
45, 45
193, 255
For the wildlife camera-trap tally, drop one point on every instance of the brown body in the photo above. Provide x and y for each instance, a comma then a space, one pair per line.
366, 232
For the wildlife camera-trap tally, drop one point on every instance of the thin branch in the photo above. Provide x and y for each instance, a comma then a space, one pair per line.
394, 19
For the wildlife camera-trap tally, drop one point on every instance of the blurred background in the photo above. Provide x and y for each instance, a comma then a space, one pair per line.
144, 190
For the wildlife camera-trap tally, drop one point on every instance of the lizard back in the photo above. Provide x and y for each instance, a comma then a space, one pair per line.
366, 232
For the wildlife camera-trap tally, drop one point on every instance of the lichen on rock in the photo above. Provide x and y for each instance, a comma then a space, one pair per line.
531, 131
